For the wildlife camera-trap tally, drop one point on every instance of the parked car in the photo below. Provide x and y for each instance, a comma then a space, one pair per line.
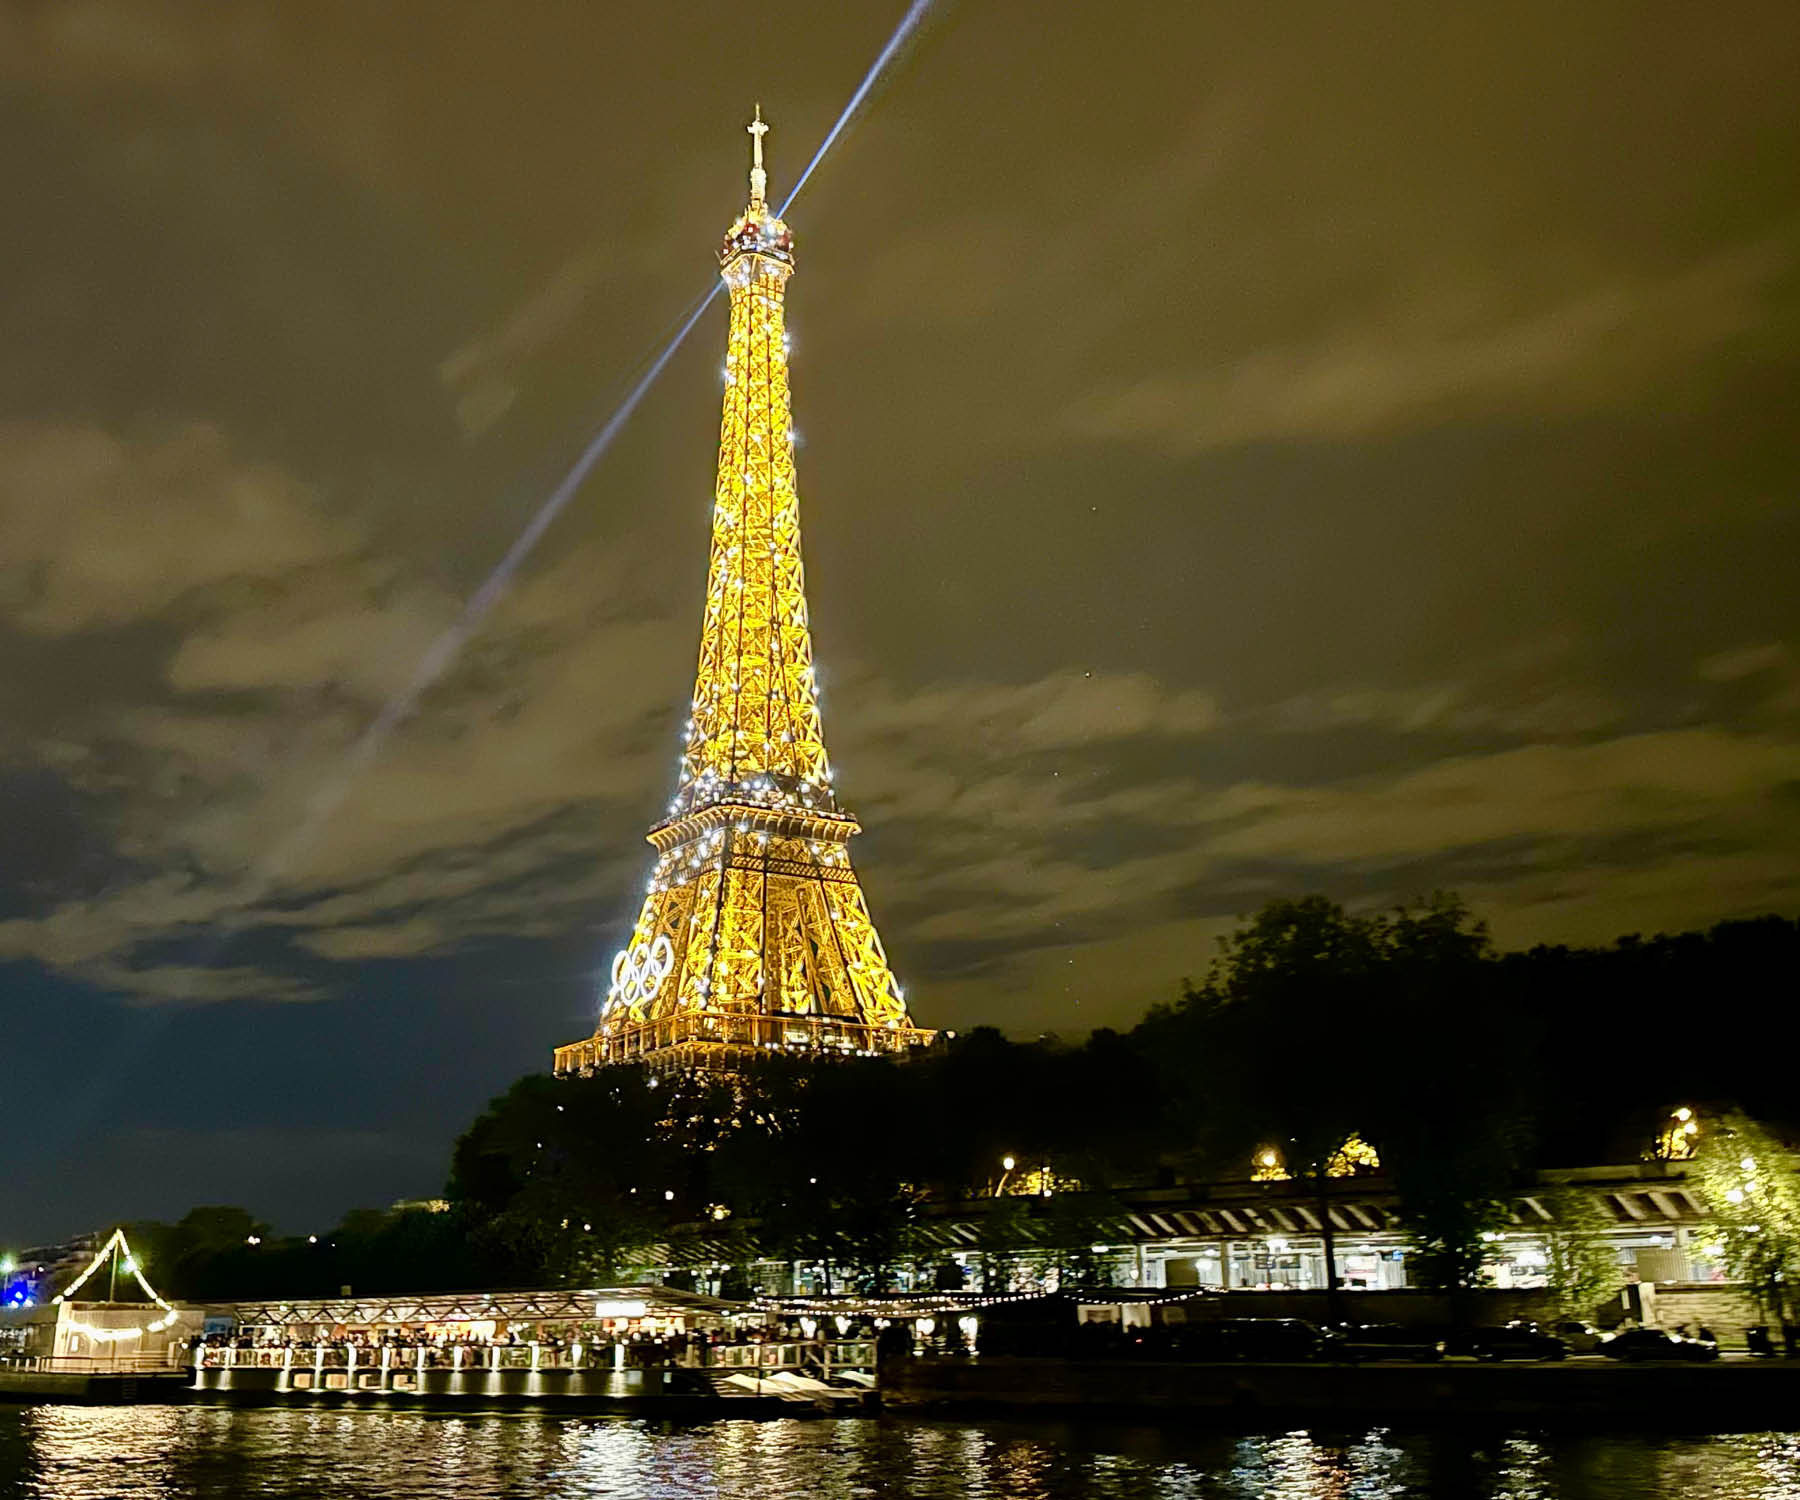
1364, 1341
1582, 1338
1261, 1339
1205, 1341
1276, 1339
1652, 1343
1517, 1340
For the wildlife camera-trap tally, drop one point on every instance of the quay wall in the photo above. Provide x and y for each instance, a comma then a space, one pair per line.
1725, 1308
1406, 1305
479, 1384
107, 1388
1732, 1395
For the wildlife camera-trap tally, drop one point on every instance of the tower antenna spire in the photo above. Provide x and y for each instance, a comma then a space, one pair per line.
759, 179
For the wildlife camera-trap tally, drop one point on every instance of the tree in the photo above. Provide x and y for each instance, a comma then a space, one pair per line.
1452, 1112
1570, 997
571, 1179
1269, 1048
1002, 1237
1580, 1265
1075, 1224
1752, 1193
1276, 1050
875, 1235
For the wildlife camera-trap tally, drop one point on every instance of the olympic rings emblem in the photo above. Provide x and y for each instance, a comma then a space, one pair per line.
638, 973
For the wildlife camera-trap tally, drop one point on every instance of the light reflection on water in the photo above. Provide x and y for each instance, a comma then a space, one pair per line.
184, 1453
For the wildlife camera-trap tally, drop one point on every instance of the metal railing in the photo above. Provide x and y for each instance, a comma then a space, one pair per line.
91, 1364
820, 1357
752, 1031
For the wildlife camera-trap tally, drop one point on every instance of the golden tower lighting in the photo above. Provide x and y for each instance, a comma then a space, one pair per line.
754, 935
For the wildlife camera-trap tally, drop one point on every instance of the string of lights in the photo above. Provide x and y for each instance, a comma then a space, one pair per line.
928, 1304
116, 1244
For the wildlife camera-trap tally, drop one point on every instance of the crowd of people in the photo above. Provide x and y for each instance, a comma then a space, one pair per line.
599, 1345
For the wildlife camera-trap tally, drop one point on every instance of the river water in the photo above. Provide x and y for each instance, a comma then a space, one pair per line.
176, 1452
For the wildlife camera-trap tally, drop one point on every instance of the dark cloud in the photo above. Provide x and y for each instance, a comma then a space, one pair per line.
1246, 451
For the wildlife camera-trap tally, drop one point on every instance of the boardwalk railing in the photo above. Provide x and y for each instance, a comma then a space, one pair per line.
818, 1357
97, 1364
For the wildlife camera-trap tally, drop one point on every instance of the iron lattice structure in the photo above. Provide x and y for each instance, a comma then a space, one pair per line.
754, 934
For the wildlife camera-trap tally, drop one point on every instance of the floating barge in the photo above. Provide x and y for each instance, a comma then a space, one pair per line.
598, 1348
608, 1348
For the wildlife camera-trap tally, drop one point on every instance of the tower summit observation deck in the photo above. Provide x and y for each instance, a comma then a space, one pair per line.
754, 936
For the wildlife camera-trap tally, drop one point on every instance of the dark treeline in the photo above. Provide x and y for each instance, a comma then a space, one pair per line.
1462, 1068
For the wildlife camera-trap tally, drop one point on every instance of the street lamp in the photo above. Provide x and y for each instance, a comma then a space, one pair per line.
1008, 1164
1676, 1140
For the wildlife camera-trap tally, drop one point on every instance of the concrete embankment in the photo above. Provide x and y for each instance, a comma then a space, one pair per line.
673, 1393
99, 1388
1732, 1395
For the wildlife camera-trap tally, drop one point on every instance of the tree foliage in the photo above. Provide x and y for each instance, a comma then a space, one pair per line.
1315, 1024
1581, 1266
1462, 1068
1752, 1191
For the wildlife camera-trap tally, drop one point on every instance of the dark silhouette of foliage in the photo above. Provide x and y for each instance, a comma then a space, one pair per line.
1463, 1068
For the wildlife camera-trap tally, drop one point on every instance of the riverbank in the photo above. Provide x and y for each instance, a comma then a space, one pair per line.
682, 1393
1733, 1395
673, 1394
1739, 1395
93, 1388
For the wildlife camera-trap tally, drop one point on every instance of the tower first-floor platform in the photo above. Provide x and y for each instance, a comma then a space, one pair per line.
724, 1039
754, 937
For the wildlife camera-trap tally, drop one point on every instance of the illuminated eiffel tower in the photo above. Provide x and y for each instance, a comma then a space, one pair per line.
754, 935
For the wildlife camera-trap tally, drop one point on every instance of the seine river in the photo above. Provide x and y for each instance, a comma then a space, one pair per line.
165, 1452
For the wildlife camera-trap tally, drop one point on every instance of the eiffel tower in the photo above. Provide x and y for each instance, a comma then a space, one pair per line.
754, 936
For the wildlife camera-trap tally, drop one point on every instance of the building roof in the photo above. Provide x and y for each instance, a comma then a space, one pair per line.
560, 1304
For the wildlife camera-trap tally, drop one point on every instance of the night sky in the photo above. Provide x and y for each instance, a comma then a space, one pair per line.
1247, 450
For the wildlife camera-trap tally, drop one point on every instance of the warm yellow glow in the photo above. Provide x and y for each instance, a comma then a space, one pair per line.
1355, 1155
1676, 1140
754, 933
116, 1244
